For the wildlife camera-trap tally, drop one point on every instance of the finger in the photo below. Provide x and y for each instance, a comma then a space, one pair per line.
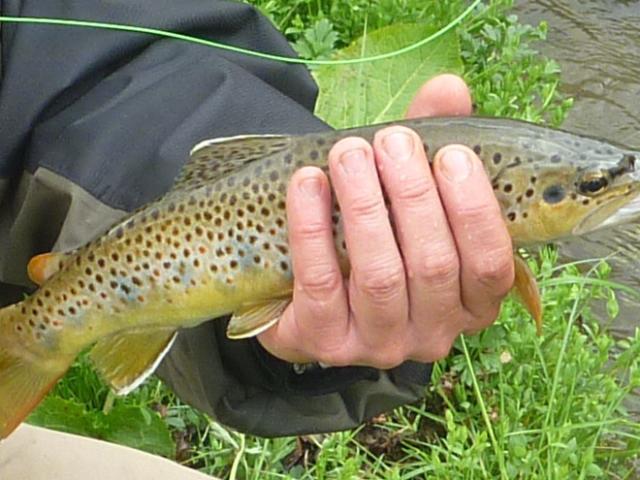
316, 322
427, 245
377, 292
483, 242
444, 95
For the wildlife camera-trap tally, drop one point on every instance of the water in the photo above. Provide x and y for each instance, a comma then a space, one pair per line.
597, 44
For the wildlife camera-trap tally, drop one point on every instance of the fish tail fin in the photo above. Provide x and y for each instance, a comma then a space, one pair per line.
24, 378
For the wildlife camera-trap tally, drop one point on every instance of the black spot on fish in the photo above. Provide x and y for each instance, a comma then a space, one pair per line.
497, 158
555, 158
477, 149
554, 194
511, 216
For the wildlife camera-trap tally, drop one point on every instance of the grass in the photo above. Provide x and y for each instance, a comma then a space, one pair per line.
506, 403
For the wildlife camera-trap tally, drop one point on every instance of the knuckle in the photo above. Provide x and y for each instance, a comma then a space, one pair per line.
320, 281
335, 356
494, 270
383, 283
310, 230
416, 190
368, 208
442, 269
482, 213
435, 350
387, 362
386, 358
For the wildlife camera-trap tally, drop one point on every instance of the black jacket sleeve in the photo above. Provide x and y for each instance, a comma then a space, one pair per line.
95, 123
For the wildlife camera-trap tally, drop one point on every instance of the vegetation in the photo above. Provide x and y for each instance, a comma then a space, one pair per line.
506, 403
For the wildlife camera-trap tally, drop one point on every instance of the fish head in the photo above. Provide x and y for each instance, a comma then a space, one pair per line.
549, 201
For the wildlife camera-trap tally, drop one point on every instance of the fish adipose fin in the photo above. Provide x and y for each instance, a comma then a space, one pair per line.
44, 266
252, 320
125, 360
526, 287
214, 159
24, 379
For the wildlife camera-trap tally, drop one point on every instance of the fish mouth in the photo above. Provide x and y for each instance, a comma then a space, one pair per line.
614, 212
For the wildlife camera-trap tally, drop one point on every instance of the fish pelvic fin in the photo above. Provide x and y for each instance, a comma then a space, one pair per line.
24, 378
126, 359
44, 266
526, 287
255, 319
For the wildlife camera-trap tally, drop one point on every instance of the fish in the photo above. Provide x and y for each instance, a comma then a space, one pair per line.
216, 244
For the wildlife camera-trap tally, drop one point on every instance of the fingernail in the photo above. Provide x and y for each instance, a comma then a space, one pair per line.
310, 187
456, 165
398, 145
353, 161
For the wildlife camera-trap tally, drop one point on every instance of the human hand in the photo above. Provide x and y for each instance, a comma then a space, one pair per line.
441, 270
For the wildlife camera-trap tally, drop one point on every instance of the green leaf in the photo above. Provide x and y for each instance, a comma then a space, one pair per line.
594, 470
353, 95
138, 428
318, 40
63, 415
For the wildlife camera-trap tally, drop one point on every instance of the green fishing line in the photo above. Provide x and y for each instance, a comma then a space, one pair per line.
244, 51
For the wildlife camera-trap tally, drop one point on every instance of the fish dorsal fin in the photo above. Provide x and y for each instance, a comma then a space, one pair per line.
526, 287
44, 266
254, 319
126, 359
213, 159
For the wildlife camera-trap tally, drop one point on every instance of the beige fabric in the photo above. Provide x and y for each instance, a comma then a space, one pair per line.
32, 453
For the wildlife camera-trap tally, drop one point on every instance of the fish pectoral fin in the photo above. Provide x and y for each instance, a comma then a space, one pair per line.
526, 287
125, 360
254, 319
42, 267
213, 159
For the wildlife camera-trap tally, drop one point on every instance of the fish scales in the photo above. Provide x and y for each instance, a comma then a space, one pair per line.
217, 244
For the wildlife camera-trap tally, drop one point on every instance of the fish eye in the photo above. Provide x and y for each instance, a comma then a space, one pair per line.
593, 184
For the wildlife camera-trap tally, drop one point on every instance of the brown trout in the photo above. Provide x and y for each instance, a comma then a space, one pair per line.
216, 244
